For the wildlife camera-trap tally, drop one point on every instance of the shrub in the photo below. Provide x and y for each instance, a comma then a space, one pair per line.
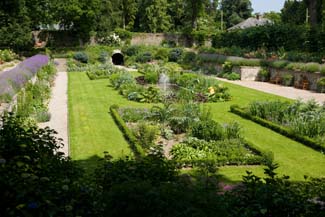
232, 76
146, 133
103, 57
208, 130
287, 79
161, 54
7, 55
175, 55
189, 58
151, 77
124, 35
321, 85
144, 57
81, 57
311, 67
118, 79
131, 50
227, 67
110, 40
263, 74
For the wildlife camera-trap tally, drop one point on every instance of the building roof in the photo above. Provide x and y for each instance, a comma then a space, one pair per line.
251, 22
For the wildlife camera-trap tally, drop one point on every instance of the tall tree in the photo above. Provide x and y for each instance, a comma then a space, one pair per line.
157, 18
194, 9
129, 9
236, 11
294, 12
176, 10
15, 31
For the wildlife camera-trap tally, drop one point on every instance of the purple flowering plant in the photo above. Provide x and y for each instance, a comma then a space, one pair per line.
11, 81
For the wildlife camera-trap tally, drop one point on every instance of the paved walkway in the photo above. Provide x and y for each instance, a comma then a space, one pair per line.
58, 106
288, 92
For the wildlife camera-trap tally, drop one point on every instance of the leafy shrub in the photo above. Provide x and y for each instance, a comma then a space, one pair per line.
144, 57
232, 76
208, 130
263, 75
110, 40
175, 55
7, 55
311, 67
227, 67
146, 133
123, 34
150, 95
131, 50
161, 54
151, 77
287, 79
118, 79
133, 114
222, 152
321, 85
103, 57
81, 57
189, 58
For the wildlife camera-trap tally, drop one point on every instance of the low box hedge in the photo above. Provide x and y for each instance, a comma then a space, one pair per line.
128, 135
278, 128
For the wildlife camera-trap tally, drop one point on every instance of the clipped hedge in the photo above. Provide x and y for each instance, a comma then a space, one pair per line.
278, 128
128, 135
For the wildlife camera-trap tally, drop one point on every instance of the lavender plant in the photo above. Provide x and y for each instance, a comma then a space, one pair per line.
13, 80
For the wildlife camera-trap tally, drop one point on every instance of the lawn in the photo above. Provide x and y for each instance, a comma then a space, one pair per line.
93, 131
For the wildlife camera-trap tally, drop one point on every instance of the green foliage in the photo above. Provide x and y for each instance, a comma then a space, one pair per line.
32, 101
81, 57
301, 122
146, 134
128, 135
161, 54
272, 196
7, 55
236, 11
208, 130
121, 78
287, 80
35, 174
321, 85
264, 74
144, 57
103, 57
222, 152
189, 58
175, 55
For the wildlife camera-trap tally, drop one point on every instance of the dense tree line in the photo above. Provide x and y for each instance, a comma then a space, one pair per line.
20, 17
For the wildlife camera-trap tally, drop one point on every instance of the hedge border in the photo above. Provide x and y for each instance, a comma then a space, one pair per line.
279, 129
128, 135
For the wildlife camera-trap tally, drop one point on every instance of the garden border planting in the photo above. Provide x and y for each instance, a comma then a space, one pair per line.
278, 128
262, 158
128, 135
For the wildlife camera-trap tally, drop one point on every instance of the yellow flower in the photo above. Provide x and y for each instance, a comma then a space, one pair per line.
211, 90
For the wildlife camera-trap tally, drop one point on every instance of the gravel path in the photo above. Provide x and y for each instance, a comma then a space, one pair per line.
58, 106
288, 92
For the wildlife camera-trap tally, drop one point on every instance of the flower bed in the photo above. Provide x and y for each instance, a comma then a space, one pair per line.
186, 134
303, 122
13, 80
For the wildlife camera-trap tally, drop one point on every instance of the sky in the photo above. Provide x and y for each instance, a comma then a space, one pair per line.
261, 6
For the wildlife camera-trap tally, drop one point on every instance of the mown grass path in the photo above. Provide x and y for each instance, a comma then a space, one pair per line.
93, 131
